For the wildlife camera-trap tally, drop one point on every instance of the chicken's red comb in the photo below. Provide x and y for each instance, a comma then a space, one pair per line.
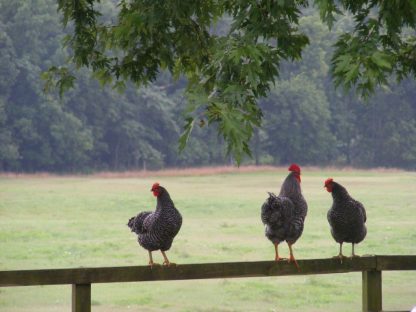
294, 167
328, 181
155, 185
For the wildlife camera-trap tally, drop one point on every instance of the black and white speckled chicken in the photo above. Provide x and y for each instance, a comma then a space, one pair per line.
156, 230
284, 215
346, 217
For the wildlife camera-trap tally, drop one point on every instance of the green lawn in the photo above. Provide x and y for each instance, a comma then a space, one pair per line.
57, 222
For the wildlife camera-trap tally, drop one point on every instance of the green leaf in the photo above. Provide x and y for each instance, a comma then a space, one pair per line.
352, 74
183, 139
343, 63
58, 78
382, 60
64, 84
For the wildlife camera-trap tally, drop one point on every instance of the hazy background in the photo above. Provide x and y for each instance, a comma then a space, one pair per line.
92, 129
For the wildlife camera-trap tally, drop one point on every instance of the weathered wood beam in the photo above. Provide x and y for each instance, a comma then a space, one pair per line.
372, 292
203, 271
394, 263
183, 272
81, 297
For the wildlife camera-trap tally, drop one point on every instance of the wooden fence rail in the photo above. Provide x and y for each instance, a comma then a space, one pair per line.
82, 278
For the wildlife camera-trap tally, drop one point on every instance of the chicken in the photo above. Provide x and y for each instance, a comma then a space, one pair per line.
156, 230
284, 215
346, 217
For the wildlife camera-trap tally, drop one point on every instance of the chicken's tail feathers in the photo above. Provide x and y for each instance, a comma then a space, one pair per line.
136, 224
130, 224
268, 208
272, 195
275, 209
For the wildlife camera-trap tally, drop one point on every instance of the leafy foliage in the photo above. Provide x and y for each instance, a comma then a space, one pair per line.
382, 42
92, 128
235, 68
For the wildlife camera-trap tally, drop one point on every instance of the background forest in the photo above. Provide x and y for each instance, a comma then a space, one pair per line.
93, 128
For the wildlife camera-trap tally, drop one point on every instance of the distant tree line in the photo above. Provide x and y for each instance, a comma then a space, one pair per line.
92, 128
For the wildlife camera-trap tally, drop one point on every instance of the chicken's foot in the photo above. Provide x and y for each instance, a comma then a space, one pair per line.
167, 262
292, 257
340, 255
276, 257
353, 255
151, 263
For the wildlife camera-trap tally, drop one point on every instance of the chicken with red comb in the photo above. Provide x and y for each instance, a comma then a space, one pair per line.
294, 168
346, 217
156, 230
284, 215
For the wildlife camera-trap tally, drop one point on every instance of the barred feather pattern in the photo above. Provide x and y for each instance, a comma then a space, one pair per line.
284, 215
346, 217
156, 230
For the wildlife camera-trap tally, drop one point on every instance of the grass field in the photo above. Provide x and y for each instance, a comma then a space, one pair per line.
57, 222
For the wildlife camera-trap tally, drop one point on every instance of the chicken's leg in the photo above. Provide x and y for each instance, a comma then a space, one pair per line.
277, 258
353, 253
166, 262
151, 263
340, 255
292, 258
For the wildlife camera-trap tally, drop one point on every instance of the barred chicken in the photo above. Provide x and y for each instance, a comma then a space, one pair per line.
346, 217
156, 230
284, 215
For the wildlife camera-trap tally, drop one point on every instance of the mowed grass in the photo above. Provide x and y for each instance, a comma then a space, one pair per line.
58, 222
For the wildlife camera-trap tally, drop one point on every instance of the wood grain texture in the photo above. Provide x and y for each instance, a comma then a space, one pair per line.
81, 298
396, 263
82, 278
203, 271
372, 292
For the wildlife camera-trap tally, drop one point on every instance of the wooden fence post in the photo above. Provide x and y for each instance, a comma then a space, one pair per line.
81, 297
372, 296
